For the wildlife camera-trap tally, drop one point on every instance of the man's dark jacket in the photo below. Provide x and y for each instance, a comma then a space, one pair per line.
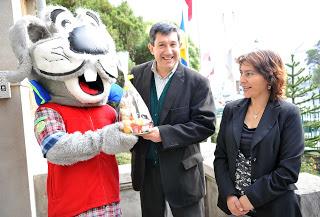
187, 118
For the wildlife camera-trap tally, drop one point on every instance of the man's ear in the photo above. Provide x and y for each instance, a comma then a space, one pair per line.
150, 46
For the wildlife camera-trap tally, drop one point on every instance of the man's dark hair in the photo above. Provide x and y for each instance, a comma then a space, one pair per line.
162, 28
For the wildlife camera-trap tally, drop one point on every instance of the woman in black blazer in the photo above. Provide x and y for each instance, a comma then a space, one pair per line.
260, 143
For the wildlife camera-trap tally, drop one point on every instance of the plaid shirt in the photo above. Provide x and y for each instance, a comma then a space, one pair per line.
111, 210
48, 127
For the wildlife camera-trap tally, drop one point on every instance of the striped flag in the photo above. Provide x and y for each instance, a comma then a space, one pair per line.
184, 57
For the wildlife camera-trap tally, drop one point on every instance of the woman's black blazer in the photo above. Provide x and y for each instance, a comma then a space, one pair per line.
277, 147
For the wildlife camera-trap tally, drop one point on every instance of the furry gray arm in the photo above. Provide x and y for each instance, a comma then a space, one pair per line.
115, 141
20, 42
75, 147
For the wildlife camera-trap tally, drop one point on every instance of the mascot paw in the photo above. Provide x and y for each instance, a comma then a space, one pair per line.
115, 141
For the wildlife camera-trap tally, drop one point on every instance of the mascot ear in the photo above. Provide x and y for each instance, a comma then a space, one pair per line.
36, 32
23, 35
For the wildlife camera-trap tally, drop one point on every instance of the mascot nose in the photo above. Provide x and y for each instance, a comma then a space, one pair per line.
88, 40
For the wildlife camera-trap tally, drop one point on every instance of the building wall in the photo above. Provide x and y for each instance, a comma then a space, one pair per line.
14, 185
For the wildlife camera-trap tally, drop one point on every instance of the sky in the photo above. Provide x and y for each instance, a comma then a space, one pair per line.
226, 29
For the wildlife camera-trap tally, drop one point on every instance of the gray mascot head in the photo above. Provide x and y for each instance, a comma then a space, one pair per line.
72, 56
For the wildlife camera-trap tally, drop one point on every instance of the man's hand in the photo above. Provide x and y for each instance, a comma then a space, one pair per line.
235, 206
245, 203
153, 135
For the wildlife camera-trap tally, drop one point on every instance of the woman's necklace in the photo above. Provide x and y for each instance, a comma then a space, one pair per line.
257, 109
255, 114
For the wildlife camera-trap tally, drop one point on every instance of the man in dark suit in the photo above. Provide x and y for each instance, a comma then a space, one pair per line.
167, 164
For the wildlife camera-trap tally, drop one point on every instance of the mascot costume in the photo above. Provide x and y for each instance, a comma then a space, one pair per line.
71, 63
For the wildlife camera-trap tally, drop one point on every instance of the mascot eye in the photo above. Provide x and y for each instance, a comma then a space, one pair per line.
95, 20
65, 23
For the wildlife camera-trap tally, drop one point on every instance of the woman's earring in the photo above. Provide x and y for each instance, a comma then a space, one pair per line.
269, 87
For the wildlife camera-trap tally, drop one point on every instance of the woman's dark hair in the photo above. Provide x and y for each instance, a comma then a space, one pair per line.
270, 66
163, 28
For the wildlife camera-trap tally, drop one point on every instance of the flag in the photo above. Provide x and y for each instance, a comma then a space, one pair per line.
184, 44
189, 3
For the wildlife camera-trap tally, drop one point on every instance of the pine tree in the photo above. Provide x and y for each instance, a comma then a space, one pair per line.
303, 92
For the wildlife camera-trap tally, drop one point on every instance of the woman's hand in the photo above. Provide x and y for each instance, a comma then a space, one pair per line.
245, 203
235, 206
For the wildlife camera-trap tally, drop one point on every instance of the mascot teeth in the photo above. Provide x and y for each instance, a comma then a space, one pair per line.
90, 75
93, 87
